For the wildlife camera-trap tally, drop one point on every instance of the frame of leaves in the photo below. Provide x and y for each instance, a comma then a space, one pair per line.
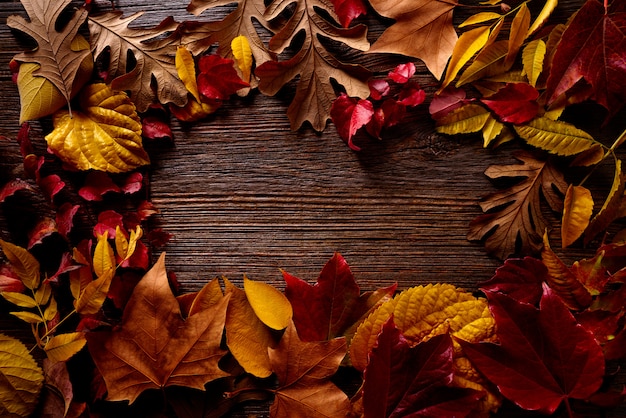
435, 349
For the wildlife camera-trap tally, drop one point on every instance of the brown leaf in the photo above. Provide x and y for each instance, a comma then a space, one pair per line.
154, 55
422, 29
514, 213
154, 347
58, 62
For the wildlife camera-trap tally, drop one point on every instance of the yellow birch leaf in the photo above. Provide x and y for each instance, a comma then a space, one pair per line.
518, 33
92, 298
243, 56
28, 317
21, 379
466, 119
246, 336
186, 68
23, 263
546, 11
103, 257
491, 130
577, 210
269, 304
468, 44
19, 299
556, 137
121, 243
105, 136
489, 62
63, 346
480, 18
532, 60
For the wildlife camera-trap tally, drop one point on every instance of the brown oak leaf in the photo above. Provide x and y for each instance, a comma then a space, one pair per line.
154, 347
514, 214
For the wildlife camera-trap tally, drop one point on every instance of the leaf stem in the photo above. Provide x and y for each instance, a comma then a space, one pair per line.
51, 330
610, 151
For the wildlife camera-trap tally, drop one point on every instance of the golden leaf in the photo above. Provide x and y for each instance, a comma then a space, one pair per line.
103, 257
243, 56
21, 379
556, 137
466, 119
532, 60
577, 210
469, 43
105, 136
489, 62
28, 317
193, 111
610, 210
23, 263
51, 310
480, 18
19, 299
210, 295
82, 276
43, 294
546, 11
491, 130
518, 33
91, 299
269, 304
186, 68
63, 346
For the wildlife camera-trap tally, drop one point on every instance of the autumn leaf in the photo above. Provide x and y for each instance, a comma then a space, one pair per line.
304, 370
592, 48
611, 207
544, 357
514, 214
243, 56
468, 44
348, 10
332, 306
58, 62
217, 79
23, 263
577, 211
315, 65
21, 379
533, 56
105, 135
521, 279
556, 137
154, 347
514, 103
422, 29
153, 54
269, 304
62, 347
349, 115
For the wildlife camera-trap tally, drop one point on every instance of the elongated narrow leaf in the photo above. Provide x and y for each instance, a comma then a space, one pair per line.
611, 206
243, 56
28, 317
480, 18
63, 346
466, 119
518, 33
556, 137
469, 43
532, 60
577, 211
92, 298
186, 68
548, 8
23, 263
19, 299
489, 62
103, 257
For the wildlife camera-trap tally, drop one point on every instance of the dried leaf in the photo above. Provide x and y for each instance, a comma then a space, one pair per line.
105, 136
23, 264
469, 43
556, 137
463, 120
518, 33
532, 60
577, 211
62, 347
243, 56
268, 303
21, 379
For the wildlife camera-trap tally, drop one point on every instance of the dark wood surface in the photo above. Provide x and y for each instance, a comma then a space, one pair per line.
243, 194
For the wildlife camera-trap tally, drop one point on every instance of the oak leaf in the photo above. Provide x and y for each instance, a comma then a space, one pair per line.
422, 29
154, 347
315, 65
304, 370
105, 135
514, 214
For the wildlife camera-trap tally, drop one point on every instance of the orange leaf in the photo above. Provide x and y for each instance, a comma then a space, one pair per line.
577, 210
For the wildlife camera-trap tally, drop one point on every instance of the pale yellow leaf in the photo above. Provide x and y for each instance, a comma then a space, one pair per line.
518, 33
546, 11
23, 263
21, 379
19, 299
532, 60
105, 136
489, 62
466, 119
28, 317
577, 210
469, 43
556, 137
103, 256
269, 304
63, 346
480, 18
92, 298
186, 67
243, 56
135, 235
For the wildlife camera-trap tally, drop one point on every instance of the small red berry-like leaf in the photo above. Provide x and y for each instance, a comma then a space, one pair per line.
378, 88
349, 114
514, 103
97, 183
347, 10
402, 73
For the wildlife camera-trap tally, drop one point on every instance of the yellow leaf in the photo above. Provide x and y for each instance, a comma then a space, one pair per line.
243, 56
132, 242
63, 346
468, 44
466, 119
480, 18
92, 298
28, 317
105, 136
23, 263
548, 8
532, 60
269, 304
246, 336
21, 379
489, 62
193, 111
42, 295
121, 243
103, 257
210, 295
19, 299
491, 130
81, 277
577, 210
186, 68
51, 310
518, 33
505, 136
555, 136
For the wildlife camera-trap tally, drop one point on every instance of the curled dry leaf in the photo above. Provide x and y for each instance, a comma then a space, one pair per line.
577, 211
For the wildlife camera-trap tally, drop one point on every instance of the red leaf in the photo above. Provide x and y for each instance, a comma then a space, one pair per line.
520, 279
23, 138
402, 73
158, 238
394, 112
411, 95
97, 183
375, 126
50, 185
13, 186
514, 103
378, 88
349, 114
9, 281
153, 127
65, 218
44, 228
445, 102
65, 266
107, 221
132, 183
347, 10
544, 358
139, 259
401, 381
593, 48
218, 78
122, 287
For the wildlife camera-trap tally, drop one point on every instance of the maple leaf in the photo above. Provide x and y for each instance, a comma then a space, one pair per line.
592, 48
315, 65
154, 347
334, 304
514, 213
153, 56
544, 357
304, 370
401, 380
59, 63
422, 29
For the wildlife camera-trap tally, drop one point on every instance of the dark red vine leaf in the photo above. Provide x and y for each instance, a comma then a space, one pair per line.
97, 184
348, 10
218, 79
349, 114
544, 359
520, 279
514, 103
13, 186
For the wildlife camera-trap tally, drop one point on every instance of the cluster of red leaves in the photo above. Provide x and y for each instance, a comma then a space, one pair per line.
379, 112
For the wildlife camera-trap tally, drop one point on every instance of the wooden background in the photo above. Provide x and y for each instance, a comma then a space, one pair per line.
243, 194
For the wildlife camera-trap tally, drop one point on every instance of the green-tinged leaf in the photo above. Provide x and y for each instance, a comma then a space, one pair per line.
29, 317
480, 18
466, 119
518, 33
269, 304
469, 43
63, 346
489, 62
610, 209
548, 8
103, 256
577, 211
92, 298
186, 67
563, 281
491, 130
21, 379
556, 137
19, 299
23, 263
532, 60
